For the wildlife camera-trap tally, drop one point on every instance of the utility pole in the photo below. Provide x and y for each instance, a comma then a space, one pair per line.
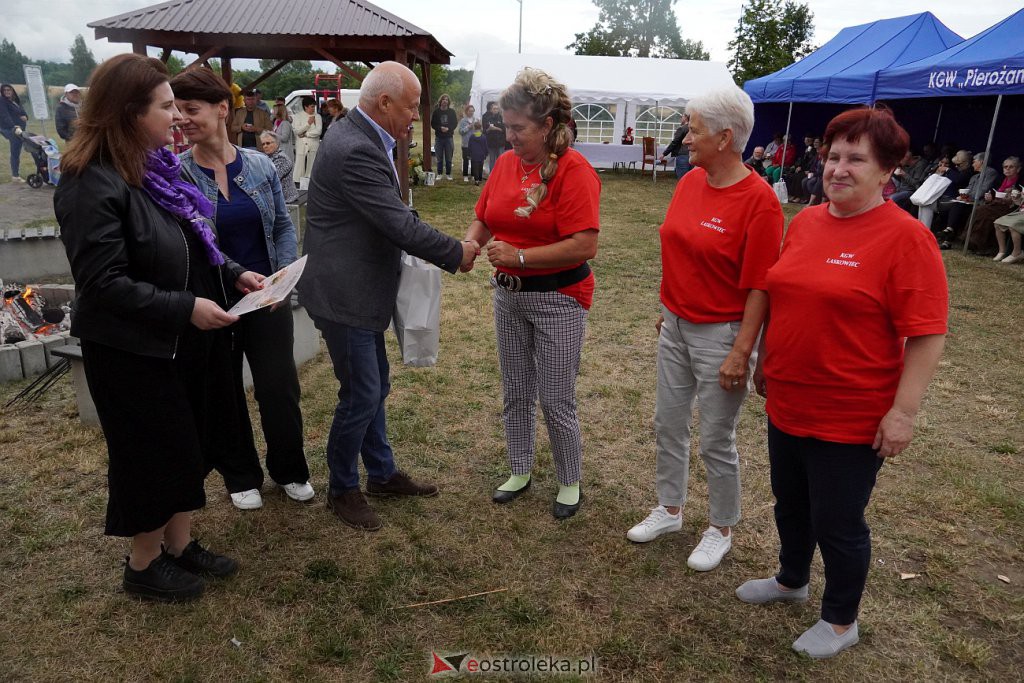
520, 26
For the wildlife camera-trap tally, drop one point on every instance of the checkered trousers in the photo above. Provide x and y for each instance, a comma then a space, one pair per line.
540, 338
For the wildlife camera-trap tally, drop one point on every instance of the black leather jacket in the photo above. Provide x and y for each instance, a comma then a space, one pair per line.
130, 262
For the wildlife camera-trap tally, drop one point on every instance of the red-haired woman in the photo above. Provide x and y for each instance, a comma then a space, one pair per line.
857, 322
150, 283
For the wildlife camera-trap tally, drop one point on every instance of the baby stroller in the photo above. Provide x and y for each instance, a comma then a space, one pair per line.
46, 156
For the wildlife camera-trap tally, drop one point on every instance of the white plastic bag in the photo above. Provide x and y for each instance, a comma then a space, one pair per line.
931, 189
418, 312
781, 191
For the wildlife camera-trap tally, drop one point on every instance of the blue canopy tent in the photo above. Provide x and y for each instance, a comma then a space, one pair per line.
844, 70
989, 64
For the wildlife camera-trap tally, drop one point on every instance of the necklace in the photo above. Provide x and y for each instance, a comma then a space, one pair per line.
526, 174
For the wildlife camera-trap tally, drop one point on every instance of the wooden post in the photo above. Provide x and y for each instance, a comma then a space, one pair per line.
402, 158
139, 47
428, 158
225, 72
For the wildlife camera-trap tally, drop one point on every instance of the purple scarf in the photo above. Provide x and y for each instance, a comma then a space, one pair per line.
181, 198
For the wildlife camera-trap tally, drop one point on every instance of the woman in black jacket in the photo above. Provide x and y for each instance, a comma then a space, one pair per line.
12, 116
149, 311
494, 131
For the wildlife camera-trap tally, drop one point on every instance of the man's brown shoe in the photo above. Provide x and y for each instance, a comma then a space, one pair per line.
400, 485
352, 509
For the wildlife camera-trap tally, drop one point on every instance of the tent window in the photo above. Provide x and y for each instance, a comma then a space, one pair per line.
659, 123
594, 122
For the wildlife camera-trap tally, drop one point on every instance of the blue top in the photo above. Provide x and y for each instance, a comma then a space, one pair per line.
844, 70
239, 224
257, 178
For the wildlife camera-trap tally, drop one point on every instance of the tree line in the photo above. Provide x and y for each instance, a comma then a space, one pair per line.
769, 35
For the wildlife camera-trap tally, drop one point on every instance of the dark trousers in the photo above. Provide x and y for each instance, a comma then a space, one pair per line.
682, 165
478, 169
465, 161
821, 490
266, 339
359, 427
15, 149
443, 150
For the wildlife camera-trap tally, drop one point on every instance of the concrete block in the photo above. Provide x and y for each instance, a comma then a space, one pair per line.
53, 341
10, 363
307, 337
30, 233
33, 358
48, 231
56, 295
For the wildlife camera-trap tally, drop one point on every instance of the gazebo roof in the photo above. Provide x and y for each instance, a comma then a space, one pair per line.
274, 29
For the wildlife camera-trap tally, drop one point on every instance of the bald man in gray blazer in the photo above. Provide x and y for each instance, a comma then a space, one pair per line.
357, 228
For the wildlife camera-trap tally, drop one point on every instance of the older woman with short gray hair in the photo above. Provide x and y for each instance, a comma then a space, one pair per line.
270, 143
721, 234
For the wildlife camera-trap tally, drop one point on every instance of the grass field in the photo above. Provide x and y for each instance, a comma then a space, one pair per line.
318, 601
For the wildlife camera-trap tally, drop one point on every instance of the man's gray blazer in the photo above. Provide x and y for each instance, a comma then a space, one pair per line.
356, 229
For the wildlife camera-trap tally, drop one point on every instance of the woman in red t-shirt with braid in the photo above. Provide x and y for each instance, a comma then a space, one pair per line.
540, 206
857, 321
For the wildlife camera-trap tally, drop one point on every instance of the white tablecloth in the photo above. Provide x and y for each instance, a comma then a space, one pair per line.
601, 155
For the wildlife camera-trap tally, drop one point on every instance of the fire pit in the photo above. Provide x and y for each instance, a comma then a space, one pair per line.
34, 320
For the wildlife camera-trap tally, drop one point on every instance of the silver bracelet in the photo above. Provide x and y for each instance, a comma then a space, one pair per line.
522, 259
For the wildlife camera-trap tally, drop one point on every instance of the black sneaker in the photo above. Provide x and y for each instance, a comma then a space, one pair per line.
162, 580
200, 561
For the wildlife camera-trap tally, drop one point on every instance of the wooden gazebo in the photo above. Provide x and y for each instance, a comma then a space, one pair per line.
337, 31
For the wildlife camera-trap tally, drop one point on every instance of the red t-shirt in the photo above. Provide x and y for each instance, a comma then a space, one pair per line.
844, 295
571, 205
716, 245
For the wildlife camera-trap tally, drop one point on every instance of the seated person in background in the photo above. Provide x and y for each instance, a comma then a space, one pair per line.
271, 146
995, 204
1012, 223
784, 156
952, 221
756, 161
776, 142
812, 182
794, 180
907, 179
957, 171
627, 138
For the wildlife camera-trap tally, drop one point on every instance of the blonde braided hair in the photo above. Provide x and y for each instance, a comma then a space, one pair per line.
537, 95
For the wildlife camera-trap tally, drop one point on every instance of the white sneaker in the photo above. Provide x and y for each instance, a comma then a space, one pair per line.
247, 500
709, 552
447, 177
465, 178
299, 491
657, 523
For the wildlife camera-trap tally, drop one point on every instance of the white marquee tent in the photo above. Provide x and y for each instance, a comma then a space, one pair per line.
621, 87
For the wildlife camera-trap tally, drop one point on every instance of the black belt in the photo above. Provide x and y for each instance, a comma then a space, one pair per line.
541, 283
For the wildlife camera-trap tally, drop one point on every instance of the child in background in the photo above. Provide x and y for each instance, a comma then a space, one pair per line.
477, 151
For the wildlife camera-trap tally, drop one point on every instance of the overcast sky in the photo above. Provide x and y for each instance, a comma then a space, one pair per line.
46, 31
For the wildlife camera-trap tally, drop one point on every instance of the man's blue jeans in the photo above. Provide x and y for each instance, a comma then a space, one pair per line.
359, 427
682, 165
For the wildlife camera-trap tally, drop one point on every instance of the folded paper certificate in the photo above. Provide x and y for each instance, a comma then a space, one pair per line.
276, 288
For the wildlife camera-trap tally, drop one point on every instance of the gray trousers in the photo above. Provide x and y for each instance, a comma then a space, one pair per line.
689, 357
540, 339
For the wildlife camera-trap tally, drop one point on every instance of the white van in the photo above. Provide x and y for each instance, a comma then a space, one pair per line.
349, 98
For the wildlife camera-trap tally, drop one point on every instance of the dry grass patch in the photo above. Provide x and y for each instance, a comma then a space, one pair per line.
318, 601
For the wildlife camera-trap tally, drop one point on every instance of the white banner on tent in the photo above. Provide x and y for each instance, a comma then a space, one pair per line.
37, 91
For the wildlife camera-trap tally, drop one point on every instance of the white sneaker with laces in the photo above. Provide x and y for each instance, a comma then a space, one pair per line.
447, 177
247, 500
465, 178
657, 523
709, 552
299, 491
